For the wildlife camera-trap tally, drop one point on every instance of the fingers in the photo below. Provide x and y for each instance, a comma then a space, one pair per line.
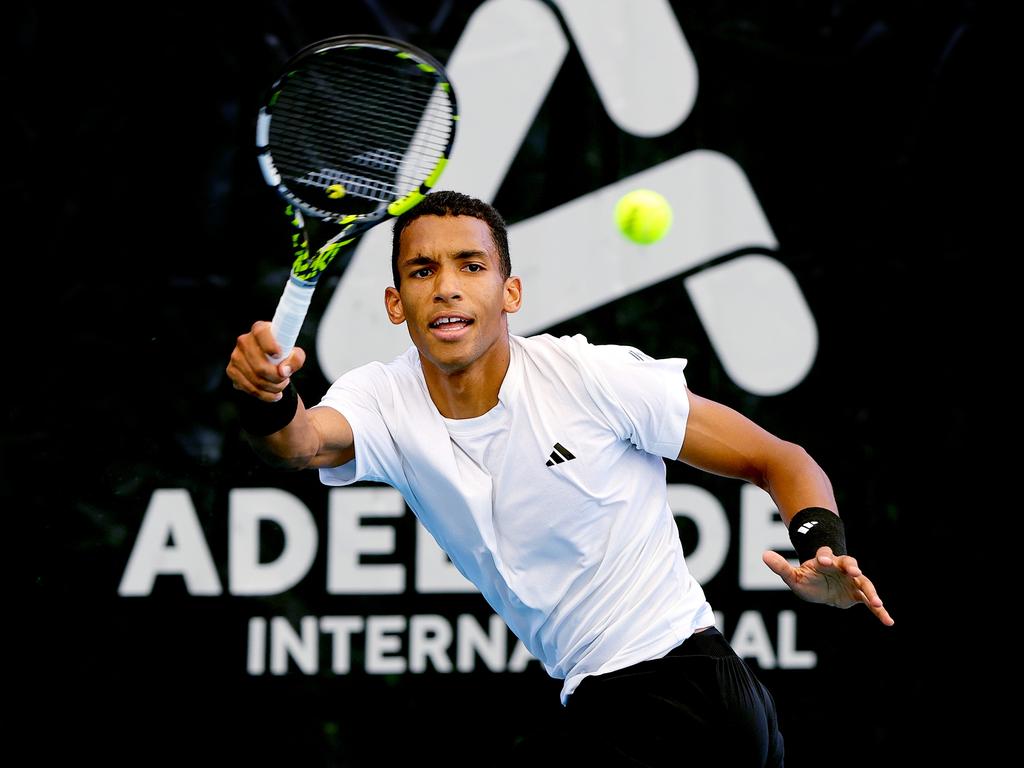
863, 589
883, 615
868, 595
268, 347
779, 565
263, 334
866, 592
844, 563
251, 371
843, 592
254, 379
257, 346
292, 363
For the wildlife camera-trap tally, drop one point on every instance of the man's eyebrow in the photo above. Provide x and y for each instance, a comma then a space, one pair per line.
421, 259
417, 260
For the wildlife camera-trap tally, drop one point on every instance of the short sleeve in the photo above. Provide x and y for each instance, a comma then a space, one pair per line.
358, 396
643, 398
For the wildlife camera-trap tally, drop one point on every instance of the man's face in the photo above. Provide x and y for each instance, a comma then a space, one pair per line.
452, 296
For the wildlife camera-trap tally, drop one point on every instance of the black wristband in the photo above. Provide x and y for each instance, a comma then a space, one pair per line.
815, 527
260, 418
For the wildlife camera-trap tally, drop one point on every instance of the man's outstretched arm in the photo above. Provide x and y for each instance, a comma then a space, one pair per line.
282, 431
724, 442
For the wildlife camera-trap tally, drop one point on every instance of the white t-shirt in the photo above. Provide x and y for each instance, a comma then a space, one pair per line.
553, 503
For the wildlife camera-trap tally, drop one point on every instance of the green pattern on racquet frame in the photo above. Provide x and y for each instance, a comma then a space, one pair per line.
356, 131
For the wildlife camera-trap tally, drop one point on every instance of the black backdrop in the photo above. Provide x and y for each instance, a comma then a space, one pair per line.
137, 215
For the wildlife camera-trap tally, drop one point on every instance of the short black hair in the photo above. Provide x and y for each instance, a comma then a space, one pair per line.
448, 203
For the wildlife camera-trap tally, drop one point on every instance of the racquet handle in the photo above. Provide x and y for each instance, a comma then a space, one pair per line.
290, 314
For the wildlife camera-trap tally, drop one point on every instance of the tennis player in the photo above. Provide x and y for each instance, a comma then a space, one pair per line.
537, 465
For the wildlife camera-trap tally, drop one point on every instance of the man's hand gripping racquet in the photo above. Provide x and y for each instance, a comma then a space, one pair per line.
356, 131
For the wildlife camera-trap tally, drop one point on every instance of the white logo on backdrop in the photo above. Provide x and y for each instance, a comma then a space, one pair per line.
572, 258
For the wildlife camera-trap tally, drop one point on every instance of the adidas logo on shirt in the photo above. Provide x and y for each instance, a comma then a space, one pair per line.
560, 454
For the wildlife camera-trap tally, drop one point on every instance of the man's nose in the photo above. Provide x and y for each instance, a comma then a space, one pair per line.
446, 284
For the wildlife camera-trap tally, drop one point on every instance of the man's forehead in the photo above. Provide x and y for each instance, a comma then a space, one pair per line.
444, 235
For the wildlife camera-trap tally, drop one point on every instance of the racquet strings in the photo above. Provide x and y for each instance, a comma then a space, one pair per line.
361, 120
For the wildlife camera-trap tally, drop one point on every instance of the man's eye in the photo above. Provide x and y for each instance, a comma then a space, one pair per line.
474, 267
421, 272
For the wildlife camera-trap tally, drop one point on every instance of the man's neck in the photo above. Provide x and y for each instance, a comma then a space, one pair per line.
471, 391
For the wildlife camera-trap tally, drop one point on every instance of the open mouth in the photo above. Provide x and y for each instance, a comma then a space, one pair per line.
450, 323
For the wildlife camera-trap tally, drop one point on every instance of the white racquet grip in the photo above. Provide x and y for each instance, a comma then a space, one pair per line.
291, 312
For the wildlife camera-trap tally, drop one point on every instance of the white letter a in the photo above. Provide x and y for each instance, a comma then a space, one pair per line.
170, 541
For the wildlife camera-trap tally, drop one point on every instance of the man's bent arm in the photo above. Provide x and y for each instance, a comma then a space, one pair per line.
721, 441
317, 437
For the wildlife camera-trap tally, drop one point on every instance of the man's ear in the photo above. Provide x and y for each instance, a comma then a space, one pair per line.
393, 304
513, 294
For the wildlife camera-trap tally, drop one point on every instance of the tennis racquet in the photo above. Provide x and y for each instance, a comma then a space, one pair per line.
355, 131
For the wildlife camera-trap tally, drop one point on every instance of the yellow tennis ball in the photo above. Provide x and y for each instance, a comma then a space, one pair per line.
643, 215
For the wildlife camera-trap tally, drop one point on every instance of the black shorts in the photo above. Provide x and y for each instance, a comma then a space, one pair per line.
701, 702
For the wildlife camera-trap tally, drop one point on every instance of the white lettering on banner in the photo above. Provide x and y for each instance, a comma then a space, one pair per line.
435, 573
247, 508
301, 647
348, 540
429, 646
489, 646
789, 656
171, 542
430, 637
341, 629
520, 658
761, 528
750, 639
421, 643
256, 658
170, 517
382, 638
713, 534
